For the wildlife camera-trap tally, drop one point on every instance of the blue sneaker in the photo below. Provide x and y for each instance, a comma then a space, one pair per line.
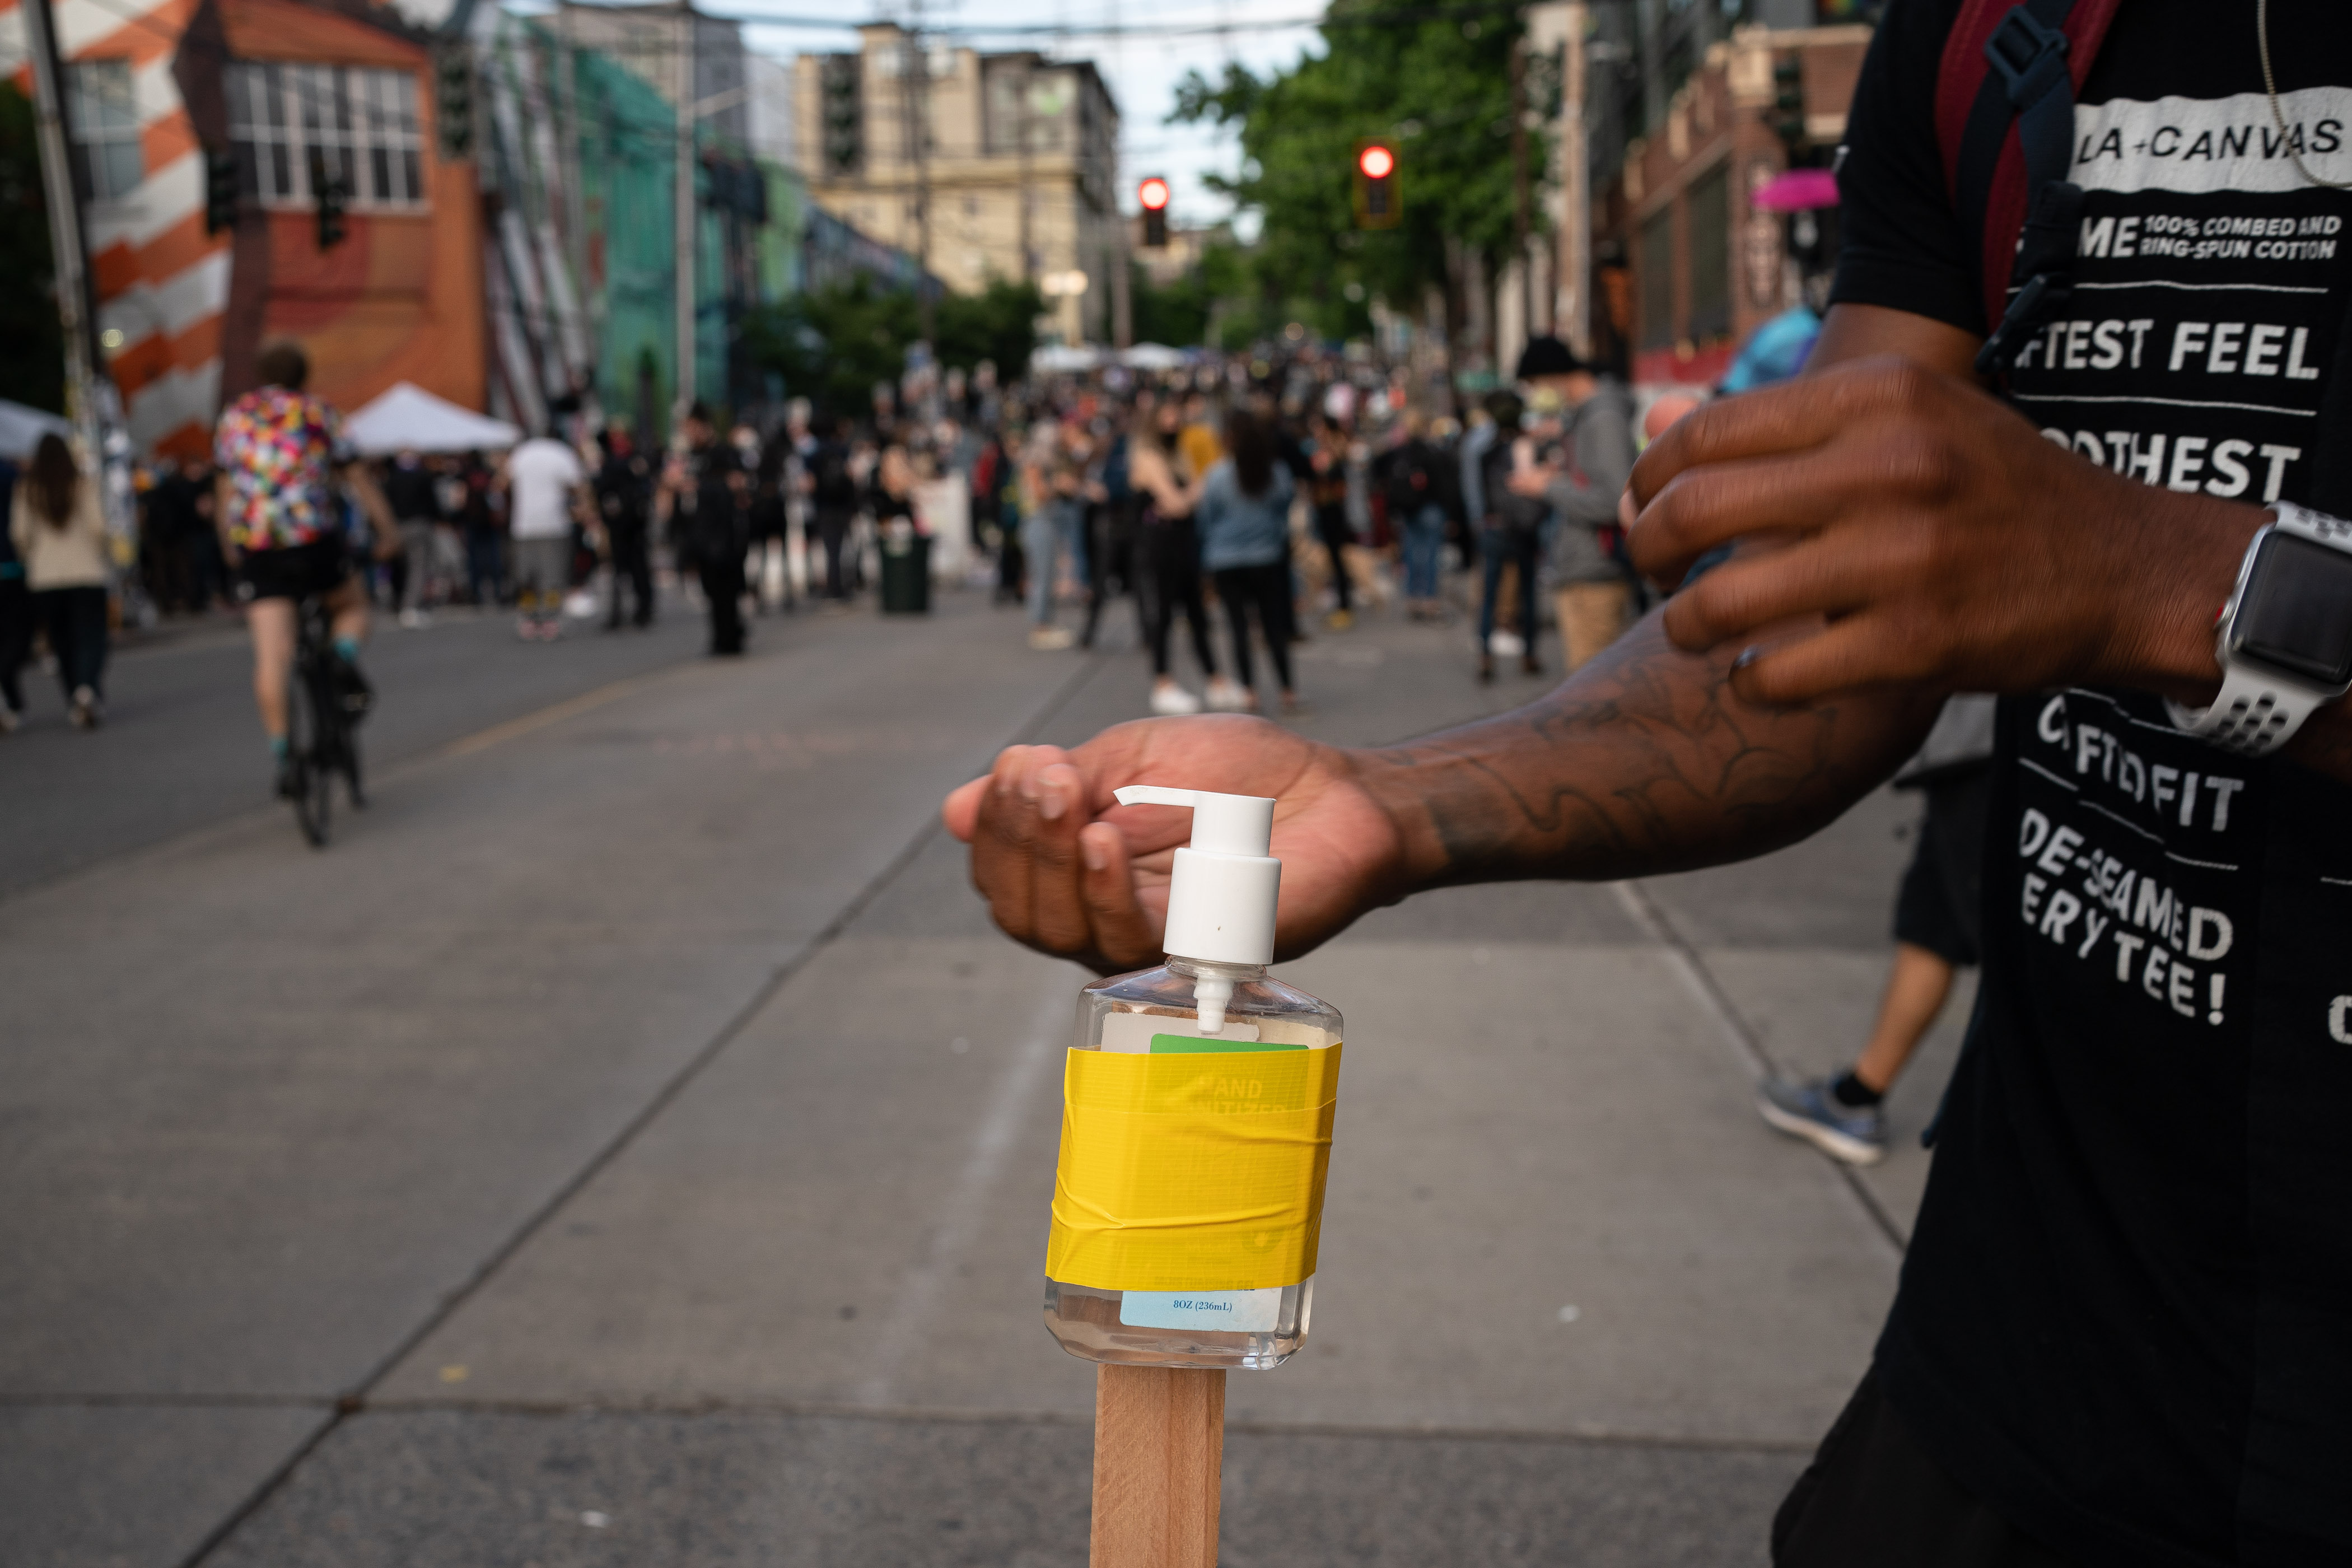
1855, 1134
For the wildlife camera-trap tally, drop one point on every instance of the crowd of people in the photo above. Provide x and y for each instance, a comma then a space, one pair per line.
1281, 492
1274, 495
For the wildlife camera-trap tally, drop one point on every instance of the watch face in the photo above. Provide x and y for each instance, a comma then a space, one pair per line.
2297, 611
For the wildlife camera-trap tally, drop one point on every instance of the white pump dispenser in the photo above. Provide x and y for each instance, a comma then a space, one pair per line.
1222, 892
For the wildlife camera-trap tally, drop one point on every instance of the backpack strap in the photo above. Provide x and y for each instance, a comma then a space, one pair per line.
2005, 118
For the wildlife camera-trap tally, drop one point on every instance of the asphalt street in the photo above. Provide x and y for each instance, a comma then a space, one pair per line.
629, 1142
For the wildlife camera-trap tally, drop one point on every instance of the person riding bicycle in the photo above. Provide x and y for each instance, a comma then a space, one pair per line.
281, 456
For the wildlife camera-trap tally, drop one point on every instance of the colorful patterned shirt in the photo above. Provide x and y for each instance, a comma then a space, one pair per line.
280, 449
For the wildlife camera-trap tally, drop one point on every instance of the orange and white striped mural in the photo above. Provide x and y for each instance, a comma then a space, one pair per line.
181, 313
162, 282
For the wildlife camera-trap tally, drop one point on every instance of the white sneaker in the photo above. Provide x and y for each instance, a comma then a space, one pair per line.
1171, 700
414, 619
85, 708
1051, 639
1224, 697
1505, 643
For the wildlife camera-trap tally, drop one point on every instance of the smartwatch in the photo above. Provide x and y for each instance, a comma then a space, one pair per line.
2286, 640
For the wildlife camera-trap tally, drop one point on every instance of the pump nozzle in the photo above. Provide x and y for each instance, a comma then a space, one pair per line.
1222, 824
1221, 893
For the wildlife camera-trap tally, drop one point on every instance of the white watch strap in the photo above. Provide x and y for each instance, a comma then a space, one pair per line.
2256, 713
2253, 715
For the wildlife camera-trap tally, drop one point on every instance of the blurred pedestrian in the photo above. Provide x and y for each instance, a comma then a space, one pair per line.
1199, 442
410, 491
706, 496
58, 529
1327, 493
833, 497
1420, 499
1168, 551
1243, 512
1510, 534
623, 489
771, 577
15, 606
485, 541
543, 482
1053, 510
1581, 482
1938, 930
1110, 509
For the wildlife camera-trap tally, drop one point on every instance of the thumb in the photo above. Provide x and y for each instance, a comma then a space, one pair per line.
960, 811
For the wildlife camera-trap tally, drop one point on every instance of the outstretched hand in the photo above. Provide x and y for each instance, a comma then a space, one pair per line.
1069, 871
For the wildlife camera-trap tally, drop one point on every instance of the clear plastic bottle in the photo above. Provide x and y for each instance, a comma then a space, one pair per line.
1270, 1324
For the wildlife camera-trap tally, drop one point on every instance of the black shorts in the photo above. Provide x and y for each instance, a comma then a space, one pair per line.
1871, 1496
1940, 904
296, 570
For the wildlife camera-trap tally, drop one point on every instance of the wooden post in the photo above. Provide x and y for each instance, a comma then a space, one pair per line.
1159, 1443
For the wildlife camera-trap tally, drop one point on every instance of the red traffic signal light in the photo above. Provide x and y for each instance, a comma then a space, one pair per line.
1376, 205
1153, 195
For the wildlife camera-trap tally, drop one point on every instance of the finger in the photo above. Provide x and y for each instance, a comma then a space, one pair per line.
1788, 418
1876, 649
999, 850
959, 812
1839, 572
1057, 906
1125, 934
1706, 508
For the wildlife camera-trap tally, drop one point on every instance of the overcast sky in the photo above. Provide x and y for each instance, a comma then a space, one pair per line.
1142, 71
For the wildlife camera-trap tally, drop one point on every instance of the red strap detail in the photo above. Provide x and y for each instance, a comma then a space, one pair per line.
1957, 80
1960, 75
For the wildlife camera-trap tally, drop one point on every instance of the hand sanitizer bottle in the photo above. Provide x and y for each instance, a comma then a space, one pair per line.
1189, 1199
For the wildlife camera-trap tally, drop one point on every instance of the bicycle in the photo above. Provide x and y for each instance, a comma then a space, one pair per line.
321, 738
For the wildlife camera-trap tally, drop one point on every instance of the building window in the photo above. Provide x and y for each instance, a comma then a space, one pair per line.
1658, 279
1710, 254
105, 117
295, 127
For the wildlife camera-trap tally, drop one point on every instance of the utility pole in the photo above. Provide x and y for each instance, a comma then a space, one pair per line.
1575, 285
1521, 221
82, 401
683, 241
914, 98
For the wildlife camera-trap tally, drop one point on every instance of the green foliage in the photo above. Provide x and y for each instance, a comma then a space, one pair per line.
1176, 315
832, 345
1000, 323
32, 367
1436, 90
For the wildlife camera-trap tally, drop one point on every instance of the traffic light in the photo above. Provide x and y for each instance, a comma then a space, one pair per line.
842, 113
453, 98
1378, 203
1787, 117
1152, 195
334, 195
220, 191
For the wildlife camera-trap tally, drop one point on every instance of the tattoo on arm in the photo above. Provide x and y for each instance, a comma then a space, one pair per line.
1647, 760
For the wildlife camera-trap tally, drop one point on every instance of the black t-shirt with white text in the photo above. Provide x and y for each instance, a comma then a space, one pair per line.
2125, 1317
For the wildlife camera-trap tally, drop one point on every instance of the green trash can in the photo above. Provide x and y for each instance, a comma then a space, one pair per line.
907, 575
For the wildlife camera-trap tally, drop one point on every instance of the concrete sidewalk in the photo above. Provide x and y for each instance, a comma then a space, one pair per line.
633, 1144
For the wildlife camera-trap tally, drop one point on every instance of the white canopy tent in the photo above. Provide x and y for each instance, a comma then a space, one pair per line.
1154, 356
22, 427
410, 419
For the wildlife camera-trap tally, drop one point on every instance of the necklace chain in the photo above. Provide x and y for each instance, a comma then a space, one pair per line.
2270, 81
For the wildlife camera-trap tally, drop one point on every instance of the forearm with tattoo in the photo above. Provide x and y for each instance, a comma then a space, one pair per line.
1644, 762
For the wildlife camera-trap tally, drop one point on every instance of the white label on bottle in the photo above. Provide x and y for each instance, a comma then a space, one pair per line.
1233, 1312
1130, 1034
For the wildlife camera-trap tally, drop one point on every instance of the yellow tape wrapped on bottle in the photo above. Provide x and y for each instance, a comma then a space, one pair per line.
1193, 1172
